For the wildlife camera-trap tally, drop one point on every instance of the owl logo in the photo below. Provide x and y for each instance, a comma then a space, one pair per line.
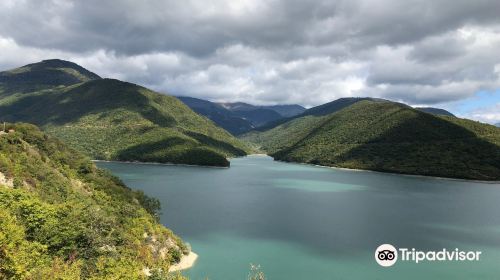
386, 255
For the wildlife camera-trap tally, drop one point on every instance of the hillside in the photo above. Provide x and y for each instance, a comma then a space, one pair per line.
46, 74
321, 110
224, 118
114, 120
435, 111
390, 137
256, 115
63, 218
287, 110
239, 117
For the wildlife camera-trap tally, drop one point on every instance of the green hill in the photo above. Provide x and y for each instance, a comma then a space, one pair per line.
256, 115
435, 111
390, 137
221, 116
114, 120
238, 118
63, 218
43, 75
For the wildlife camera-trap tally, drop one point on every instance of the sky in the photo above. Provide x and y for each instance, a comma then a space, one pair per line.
441, 53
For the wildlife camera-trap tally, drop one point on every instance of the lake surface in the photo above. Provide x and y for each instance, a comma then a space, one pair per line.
306, 222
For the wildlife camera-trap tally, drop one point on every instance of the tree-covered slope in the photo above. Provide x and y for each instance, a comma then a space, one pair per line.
435, 111
239, 117
63, 218
390, 137
114, 120
42, 75
218, 114
256, 115
287, 110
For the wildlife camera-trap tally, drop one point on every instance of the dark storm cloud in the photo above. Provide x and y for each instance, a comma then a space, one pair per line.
274, 51
201, 27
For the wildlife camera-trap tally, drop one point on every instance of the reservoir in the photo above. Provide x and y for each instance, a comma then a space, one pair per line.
306, 222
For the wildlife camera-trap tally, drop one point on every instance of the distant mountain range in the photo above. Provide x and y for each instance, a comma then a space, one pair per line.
376, 134
498, 124
111, 119
115, 120
240, 117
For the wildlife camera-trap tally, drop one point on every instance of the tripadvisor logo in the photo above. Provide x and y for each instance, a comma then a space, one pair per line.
386, 255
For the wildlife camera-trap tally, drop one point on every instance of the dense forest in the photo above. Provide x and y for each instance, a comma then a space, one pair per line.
63, 218
387, 136
110, 119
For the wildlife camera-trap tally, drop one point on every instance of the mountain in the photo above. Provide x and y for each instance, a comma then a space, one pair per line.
435, 111
63, 218
43, 75
321, 110
498, 124
110, 119
218, 114
334, 106
256, 115
386, 136
339, 104
286, 110
240, 117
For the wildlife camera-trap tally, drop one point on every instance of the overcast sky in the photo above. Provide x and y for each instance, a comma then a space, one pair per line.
443, 53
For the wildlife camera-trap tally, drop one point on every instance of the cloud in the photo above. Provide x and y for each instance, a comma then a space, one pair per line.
268, 52
490, 114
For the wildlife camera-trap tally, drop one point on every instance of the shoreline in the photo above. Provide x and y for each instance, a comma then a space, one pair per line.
187, 261
302, 163
158, 163
388, 173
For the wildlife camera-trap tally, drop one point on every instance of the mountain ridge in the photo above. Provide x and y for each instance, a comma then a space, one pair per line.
389, 137
114, 120
240, 117
435, 111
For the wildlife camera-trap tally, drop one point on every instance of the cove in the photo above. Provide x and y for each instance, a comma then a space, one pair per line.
307, 222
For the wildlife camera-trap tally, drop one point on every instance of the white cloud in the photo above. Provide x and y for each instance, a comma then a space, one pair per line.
268, 52
489, 114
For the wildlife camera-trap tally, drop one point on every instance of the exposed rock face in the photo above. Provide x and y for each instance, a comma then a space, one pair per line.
9, 182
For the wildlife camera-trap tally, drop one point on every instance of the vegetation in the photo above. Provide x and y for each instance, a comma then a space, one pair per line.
110, 119
238, 118
435, 111
390, 137
63, 218
46, 74
218, 114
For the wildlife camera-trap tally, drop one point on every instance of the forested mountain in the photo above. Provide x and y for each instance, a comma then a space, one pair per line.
435, 111
218, 114
63, 218
110, 119
240, 117
287, 110
386, 136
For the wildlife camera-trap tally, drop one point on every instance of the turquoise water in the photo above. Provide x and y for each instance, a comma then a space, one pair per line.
306, 222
